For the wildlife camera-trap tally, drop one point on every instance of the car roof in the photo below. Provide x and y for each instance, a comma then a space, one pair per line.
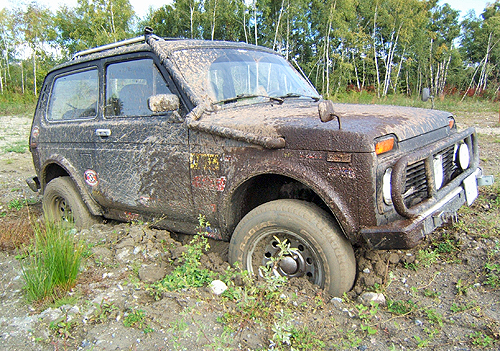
167, 46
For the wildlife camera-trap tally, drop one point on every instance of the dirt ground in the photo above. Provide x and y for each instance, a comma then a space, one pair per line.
442, 295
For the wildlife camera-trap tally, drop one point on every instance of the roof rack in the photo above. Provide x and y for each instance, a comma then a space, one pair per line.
108, 47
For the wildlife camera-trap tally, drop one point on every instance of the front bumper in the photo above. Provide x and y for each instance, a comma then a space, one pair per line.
406, 233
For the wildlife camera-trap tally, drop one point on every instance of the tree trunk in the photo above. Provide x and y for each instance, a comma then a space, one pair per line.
375, 50
213, 19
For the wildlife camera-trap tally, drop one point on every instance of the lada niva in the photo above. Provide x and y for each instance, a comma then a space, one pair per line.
164, 130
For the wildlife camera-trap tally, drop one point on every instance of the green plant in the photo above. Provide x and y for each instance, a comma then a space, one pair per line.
401, 307
53, 265
103, 311
481, 340
432, 294
366, 315
427, 257
434, 317
137, 319
63, 326
16, 204
189, 274
19, 147
455, 308
493, 268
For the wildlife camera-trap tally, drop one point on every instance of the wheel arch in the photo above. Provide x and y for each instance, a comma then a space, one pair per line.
56, 167
263, 187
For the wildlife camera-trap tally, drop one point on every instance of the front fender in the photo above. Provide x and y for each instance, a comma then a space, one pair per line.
311, 169
72, 172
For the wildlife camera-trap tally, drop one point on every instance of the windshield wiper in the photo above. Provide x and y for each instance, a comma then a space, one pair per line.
296, 95
248, 96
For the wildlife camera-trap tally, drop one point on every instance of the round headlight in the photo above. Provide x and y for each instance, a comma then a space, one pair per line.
463, 156
386, 186
438, 171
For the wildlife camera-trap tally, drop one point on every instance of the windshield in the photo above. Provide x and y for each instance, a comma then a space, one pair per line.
224, 74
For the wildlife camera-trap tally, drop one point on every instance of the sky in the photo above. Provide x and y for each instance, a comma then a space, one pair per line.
141, 6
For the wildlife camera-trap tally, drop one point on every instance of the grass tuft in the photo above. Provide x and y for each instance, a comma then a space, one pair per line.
52, 267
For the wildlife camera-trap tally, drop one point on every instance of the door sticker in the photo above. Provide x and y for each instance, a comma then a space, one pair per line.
91, 177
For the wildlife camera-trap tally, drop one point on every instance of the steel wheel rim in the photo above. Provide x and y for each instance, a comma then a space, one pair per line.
62, 210
304, 260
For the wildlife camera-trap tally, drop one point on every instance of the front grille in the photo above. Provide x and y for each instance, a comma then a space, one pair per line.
416, 184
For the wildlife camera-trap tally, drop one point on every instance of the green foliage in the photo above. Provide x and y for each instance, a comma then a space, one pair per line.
103, 312
492, 268
480, 339
427, 257
137, 319
54, 263
401, 307
19, 147
16, 204
64, 326
189, 274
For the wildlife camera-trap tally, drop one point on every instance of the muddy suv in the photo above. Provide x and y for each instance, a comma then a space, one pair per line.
165, 130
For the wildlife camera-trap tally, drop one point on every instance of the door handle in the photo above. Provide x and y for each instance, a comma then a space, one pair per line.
103, 132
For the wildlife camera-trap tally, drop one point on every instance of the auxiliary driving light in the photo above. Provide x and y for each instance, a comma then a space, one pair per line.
463, 156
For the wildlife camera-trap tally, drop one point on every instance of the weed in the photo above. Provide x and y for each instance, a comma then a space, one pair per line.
427, 257
401, 307
411, 266
52, 267
103, 311
432, 294
16, 204
19, 147
434, 317
480, 339
137, 319
461, 308
63, 326
189, 274
493, 268
366, 314
424, 342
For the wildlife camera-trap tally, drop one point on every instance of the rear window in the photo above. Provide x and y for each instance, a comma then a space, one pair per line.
74, 96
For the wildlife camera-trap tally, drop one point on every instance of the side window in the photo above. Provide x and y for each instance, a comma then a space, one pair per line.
130, 84
74, 96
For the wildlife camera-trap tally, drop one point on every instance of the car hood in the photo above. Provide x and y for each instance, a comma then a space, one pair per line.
299, 124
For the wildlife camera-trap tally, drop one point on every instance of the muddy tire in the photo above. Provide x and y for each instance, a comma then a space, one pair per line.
63, 203
321, 253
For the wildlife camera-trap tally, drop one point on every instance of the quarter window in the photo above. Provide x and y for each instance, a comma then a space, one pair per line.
130, 84
74, 96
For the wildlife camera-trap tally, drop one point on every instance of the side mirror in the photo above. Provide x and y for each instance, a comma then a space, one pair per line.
426, 94
163, 103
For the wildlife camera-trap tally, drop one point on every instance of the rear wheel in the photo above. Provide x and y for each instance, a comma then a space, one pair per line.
319, 251
63, 203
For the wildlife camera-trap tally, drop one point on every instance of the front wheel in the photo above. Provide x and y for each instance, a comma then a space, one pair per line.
318, 249
62, 203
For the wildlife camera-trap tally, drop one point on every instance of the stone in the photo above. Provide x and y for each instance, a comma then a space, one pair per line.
369, 281
394, 258
372, 255
151, 273
380, 268
217, 287
369, 298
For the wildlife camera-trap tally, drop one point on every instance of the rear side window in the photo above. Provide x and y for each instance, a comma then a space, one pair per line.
74, 96
130, 84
